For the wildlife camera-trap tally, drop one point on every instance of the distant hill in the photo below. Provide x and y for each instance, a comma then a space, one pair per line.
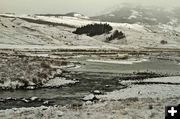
70, 14
139, 14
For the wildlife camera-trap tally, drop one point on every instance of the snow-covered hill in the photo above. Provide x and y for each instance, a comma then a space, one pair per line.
57, 31
141, 14
71, 14
166, 18
25, 30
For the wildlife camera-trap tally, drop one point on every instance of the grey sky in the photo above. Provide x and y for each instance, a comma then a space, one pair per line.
87, 7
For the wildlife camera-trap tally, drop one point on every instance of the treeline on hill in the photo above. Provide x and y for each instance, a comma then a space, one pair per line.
93, 29
116, 35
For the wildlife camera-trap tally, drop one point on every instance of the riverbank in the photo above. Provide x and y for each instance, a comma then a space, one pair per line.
132, 108
120, 85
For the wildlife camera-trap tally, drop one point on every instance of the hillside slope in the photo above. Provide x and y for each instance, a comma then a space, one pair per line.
57, 31
150, 15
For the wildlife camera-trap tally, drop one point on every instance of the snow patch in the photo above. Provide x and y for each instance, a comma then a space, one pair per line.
111, 15
177, 28
167, 28
80, 16
48, 47
147, 91
11, 84
134, 14
175, 79
58, 82
118, 61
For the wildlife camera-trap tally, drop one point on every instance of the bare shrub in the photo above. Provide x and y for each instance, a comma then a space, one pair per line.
163, 42
45, 65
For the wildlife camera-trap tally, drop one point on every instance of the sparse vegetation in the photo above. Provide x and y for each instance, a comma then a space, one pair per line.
93, 29
4, 25
18, 72
45, 65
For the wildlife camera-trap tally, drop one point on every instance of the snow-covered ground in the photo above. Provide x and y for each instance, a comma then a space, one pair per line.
50, 47
16, 32
159, 90
58, 82
145, 91
118, 61
126, 109
74, 21
175, 79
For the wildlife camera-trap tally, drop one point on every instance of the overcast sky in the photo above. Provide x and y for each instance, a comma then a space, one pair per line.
87, 7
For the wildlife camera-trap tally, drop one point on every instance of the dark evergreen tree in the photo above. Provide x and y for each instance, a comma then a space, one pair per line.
116, 34
93, 29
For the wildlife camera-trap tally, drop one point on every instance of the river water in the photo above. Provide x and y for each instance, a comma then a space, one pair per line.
93, 76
